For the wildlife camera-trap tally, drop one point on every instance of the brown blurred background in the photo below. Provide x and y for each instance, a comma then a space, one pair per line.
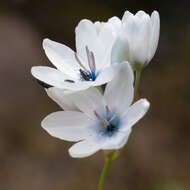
157, 156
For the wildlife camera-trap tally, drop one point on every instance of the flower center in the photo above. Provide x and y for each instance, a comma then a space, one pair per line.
108, 124
85, 74
113, 126
110, 128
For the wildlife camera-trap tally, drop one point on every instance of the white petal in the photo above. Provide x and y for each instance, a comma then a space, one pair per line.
116, 24
130, 31
78, 85
49, 75
117, 141
119, 92
84, 148
140, 47
61, 56
68, 125
106, 61
109, 32
88, 101
134, 113
86, 35
107, 36
124, 141
63, 99
137, 30
140, 14
105, 76
98, 25
125, 17
155, 31
120, 50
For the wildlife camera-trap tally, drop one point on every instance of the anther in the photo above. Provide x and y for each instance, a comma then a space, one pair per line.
85, 75
91, 59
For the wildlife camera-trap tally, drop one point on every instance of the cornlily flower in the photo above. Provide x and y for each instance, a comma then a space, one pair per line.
103, 121
89, 66
137, 39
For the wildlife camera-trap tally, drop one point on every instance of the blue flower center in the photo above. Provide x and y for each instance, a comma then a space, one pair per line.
87, 75
108, 124
113, 126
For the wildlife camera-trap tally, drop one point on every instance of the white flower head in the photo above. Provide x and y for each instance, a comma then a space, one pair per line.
104, 121
89, 66
138, 38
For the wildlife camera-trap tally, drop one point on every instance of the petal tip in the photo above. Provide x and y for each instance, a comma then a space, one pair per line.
83, 22
126, 15
45, 42
155, 14
141, 13
34, 69
71, 153
74, 155
146, 103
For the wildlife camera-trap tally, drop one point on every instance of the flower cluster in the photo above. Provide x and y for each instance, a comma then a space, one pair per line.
95, 84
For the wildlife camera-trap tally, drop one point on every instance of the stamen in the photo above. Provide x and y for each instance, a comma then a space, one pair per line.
91, 60
79, 62
107, 111
105, 122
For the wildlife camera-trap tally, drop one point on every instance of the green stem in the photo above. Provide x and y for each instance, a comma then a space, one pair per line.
137, 80
110, 157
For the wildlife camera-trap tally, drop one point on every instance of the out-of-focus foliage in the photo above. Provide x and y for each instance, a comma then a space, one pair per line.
170, 187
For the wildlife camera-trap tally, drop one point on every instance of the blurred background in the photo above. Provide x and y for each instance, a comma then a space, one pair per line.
157, 156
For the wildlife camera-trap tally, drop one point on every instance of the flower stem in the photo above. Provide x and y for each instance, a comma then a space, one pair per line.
137, 81
110, 157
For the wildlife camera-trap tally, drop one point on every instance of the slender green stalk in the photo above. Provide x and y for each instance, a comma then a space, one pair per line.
110, 157
137, 81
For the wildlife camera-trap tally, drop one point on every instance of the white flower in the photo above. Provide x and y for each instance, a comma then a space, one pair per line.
104, 121
138, 38
89, 66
